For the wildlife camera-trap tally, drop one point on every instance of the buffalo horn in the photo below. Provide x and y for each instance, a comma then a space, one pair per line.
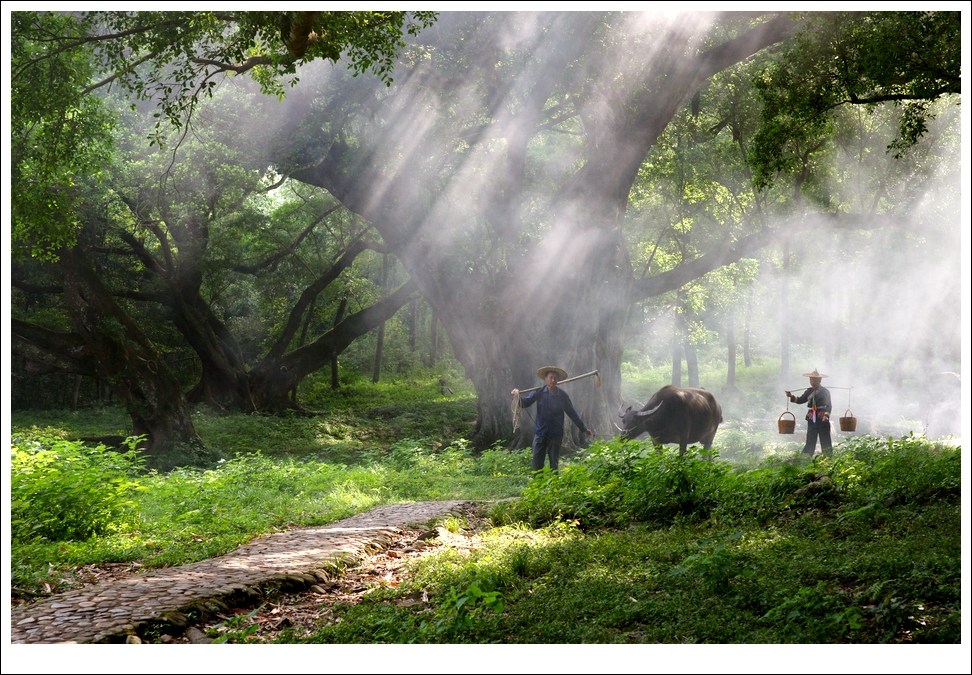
646, 413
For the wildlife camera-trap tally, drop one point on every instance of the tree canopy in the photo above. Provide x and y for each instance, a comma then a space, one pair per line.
537, 175
909, 59
170, 60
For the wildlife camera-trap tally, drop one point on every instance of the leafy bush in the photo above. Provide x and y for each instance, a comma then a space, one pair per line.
665, 486
407, 455
759, 493
576, 493
896, 471
815, 614
498, 461
622, 481
64, 490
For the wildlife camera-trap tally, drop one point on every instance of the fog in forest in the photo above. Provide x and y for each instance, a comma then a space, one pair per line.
881, 307
876, 305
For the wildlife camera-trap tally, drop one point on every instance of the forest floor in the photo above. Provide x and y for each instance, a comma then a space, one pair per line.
300, 614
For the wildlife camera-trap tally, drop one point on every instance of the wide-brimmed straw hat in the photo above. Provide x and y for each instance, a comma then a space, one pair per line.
561, 373
813, 373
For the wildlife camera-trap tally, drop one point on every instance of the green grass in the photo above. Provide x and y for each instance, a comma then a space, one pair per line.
862, 548
626, 544
686, 584
266, 474
362, 418
188, 515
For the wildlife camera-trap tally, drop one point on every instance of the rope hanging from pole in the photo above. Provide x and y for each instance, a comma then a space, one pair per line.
516, 413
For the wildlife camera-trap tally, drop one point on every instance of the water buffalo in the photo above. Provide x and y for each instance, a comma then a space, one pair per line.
673, 414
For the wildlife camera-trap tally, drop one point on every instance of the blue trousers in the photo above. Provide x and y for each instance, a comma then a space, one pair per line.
546, 446
815, 430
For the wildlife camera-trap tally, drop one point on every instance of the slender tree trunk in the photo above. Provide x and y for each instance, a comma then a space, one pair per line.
747, 331
677, 353
380, 341
785, 313
338, 318
412, 322
731, 360
305, 327
692, 364
433, 339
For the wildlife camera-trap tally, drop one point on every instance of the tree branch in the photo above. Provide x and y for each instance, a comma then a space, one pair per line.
273, 260
311, 292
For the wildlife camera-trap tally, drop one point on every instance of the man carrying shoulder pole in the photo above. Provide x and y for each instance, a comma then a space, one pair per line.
552, 403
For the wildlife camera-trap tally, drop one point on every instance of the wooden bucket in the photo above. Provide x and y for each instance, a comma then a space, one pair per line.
848, 422
786, 426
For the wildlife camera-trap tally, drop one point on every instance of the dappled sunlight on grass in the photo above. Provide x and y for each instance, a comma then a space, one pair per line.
625, 543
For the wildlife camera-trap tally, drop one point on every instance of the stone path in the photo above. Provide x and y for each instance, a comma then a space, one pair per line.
108, 611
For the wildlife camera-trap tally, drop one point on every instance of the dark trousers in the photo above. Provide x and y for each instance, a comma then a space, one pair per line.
821, 430
545, 446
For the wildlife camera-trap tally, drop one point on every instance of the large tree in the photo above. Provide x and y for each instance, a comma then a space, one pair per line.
61, 141
519, 247
177, 237
500, 165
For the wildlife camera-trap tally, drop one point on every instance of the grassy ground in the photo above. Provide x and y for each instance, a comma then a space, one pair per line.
625, 545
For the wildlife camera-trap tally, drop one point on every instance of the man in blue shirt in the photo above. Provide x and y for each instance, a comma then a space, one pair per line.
552, 403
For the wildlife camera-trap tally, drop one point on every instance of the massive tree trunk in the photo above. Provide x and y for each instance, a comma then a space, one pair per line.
223, 383
509, 308
178, 275
123, 354
228, 381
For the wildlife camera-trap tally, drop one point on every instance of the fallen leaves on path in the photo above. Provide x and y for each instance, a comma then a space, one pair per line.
303, 613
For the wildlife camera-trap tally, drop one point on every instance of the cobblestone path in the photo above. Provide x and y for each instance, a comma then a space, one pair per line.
108, 611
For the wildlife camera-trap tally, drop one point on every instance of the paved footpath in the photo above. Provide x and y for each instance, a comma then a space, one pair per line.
108, 611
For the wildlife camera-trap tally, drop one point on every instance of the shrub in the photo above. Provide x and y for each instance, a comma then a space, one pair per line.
897, 471
63, 490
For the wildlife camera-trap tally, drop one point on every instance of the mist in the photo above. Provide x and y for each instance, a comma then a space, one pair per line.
876, 297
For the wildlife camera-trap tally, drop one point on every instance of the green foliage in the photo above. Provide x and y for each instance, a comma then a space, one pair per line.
896, 471
461, 608
753, 573
174, 58
411, 455
619, 482
294, 474
65, 490
758, 493
714, 565
61, 131
497, 461
574, 494
907, 59
878, 561
235, 630
60, 138
815, 614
